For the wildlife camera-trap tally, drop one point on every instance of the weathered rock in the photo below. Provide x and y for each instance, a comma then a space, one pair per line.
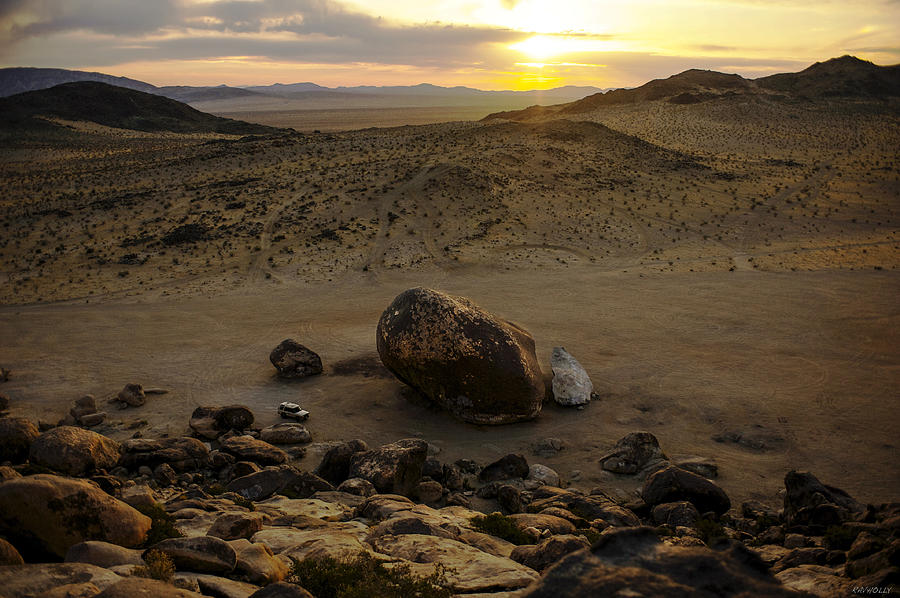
672, 484
543, 475
429, 492
285, 433
506, 468
90, 420
72, 590
74, 451
571, 384
132, 394
232, 526
203, 554
408, 524
555, 525
633, 453
337, 540
810, 502
181, 454
263, 484
139, 495
251, 449
212, 422
257, 563
282, 590
28, 581
588, 507
887, 558
800, 556
469, 569
548, 551
510, 499
9, 555
46, 514
392, 468
103, 554
335, 464
358, 486
221, 587
633, 562
381, 506
16, 436
302, 509
140, 587
478, 367
293, 360
815, 580
680, 513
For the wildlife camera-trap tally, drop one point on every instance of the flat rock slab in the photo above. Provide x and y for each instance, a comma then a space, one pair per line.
140, 587
27, 581
469, 569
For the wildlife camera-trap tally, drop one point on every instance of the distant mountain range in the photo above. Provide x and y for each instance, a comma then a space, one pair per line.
844, 77
20, 79
112, 106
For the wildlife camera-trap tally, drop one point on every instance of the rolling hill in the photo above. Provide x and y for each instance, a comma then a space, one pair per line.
846, 77
113, 106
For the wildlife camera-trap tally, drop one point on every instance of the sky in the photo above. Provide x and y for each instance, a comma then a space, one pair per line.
488, 44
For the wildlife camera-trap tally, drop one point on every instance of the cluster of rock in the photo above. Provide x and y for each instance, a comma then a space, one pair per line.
246, 512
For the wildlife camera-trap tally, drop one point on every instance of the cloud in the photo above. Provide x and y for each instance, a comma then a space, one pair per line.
113, 17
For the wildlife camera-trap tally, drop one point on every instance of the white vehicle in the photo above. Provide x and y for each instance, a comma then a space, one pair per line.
293, 411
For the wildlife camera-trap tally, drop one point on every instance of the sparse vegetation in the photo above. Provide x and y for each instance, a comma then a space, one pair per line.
365, 577
158, 566
501, 526
162, 526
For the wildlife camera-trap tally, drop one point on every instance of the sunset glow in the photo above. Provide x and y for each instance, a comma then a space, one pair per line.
447, 42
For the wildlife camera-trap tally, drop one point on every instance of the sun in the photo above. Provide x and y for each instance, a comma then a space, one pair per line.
542, 47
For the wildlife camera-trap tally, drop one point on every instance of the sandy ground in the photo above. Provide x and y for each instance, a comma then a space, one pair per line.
723, 271
803, 366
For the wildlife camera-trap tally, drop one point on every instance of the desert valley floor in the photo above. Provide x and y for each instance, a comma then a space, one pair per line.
726, 272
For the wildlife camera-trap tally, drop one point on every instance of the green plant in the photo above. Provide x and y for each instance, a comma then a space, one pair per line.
503, 527
244, 502
162, 524
364, 577
710, 531
159, 566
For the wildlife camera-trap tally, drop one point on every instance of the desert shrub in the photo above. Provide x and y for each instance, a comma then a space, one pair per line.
162, 526
710, 531
503, 527
244, 502
365, 577
838, 537
159, 566
215, 489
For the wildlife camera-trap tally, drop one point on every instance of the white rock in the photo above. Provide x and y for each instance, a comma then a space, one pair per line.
543, 475
571, 384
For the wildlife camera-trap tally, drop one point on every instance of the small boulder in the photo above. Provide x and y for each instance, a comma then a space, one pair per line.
482, 369
571, 384
672, 484
248, 448
203, 554
393, 468
633, 453
510, 467
680, 513
46, 514
74, 451
9, 555
285, 433
133, 395
543, 475
103, 554
293, 360
548, 551
212, 422
16, 436
282, 590
810, 502
335, 464
233, 526
358, 487
180, 453
257, 563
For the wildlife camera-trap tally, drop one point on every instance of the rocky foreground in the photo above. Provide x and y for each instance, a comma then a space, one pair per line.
230, 516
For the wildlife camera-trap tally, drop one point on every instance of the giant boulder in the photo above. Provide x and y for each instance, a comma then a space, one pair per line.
74, 451
480, 368
44, 515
